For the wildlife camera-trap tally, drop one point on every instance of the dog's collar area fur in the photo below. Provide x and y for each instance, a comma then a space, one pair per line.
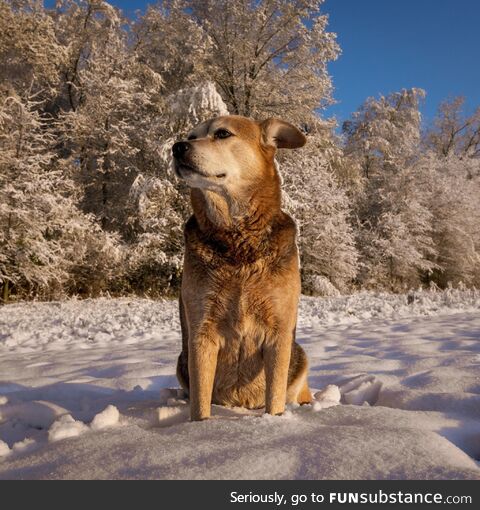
253, 212
237, 231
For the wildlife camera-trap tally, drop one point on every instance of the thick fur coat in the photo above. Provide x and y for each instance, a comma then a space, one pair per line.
241, 282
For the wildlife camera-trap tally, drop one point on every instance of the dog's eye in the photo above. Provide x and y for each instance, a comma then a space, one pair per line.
191, 137
222, 133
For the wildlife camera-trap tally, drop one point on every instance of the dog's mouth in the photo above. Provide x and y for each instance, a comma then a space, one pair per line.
185, 167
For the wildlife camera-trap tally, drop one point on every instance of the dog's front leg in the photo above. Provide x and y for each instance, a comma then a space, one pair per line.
276, 358
202, 363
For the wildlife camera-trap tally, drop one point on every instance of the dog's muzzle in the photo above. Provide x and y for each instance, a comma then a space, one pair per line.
183, 161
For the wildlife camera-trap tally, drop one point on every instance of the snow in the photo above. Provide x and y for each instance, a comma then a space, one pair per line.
88, 390
328, 397
65, 427
4, 449
107, 418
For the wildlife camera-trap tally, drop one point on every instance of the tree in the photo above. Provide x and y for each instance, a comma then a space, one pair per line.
396, 243
30, 54
384, 133
452, 160
110, 115
168, 41
453, 132
159, 202
43, 236
266, 58
394, 224
451, 196
322, 210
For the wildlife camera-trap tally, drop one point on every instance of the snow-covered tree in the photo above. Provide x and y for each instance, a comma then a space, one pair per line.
43, 235
266, 58
394, 223
452, 198
454, 132
171, 43
160, 203
322, 209
111, 108
30, 54
396, 242
383, 135
450, 163
418, 212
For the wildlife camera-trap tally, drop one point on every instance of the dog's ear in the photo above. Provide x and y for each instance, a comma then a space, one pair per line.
281, 134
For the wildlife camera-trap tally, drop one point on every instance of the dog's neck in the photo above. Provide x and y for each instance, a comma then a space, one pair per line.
217, 213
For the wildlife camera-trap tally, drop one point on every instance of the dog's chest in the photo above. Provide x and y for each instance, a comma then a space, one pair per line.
241, 298
243, 324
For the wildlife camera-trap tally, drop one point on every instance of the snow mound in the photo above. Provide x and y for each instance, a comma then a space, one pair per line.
107, 418
361, 390
366, 305
28, 444
38, 414
344, 442
66, 427
328, 397
171, 415
4, 449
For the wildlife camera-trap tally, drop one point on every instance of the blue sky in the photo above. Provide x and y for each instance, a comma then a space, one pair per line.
388, 45
392, 44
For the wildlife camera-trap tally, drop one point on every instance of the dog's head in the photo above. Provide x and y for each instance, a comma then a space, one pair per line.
227, 154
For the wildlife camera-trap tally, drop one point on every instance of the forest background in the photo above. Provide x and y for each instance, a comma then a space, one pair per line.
92, 100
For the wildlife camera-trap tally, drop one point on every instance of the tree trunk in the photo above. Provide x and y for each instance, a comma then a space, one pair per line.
6, 287
6, 292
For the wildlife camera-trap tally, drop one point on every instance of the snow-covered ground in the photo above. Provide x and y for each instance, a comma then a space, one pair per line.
87, 391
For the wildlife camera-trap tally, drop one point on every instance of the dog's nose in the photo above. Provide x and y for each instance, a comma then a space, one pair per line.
180, 148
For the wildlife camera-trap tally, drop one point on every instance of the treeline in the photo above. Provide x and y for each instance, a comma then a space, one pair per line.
91, 101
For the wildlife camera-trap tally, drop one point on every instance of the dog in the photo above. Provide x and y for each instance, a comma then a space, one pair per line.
241, 279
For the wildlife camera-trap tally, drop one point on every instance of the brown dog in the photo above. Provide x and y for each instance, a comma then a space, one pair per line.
241, 284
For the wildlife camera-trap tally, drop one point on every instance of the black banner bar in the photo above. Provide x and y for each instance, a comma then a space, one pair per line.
212, 495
